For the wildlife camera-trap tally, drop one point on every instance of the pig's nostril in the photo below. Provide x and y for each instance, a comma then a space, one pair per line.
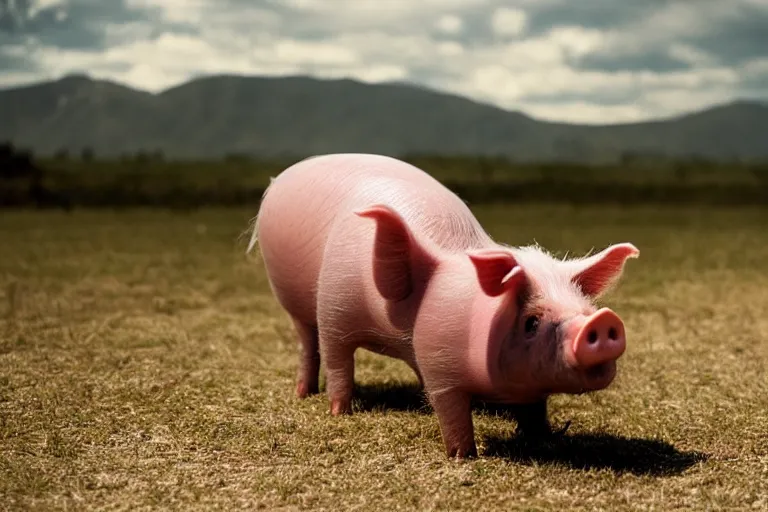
592, 336
612, 333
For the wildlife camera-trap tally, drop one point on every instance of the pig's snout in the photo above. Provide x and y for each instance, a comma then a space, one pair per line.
601, 339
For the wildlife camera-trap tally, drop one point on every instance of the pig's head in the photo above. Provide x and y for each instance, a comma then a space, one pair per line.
551, 337
528, 321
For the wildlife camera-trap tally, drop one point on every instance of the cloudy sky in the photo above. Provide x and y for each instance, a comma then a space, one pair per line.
591, 61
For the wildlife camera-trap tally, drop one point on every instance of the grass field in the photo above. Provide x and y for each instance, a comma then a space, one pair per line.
143, 363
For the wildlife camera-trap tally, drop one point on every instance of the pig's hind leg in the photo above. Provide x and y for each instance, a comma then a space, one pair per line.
339, 359
309, 363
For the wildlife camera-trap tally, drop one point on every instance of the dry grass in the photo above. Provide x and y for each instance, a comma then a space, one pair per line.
143, 364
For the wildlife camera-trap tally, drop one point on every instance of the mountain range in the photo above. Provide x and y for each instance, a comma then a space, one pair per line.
297, 116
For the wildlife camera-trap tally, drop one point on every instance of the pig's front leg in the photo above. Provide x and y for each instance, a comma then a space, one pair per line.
443, 376
453, 408
532, 420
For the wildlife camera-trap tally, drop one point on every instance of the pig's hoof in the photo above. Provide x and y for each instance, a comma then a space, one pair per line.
462, 452
303, 389
339, 407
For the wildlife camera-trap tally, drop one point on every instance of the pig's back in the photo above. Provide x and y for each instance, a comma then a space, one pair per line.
303, 203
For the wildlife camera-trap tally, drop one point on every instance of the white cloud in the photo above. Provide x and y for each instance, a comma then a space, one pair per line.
517, 67
377, 46
756, 67
576, 41
152, 65
180, 11
206, 13
303, 5
19, 78
450, 49
675, 101
508, 21
116, 35
15, 50
173, 58
393, 16
587, 113
41, 5
378, 6
689, 54
383, 73
493, 81
664, 28
370, 74
318, 54
449, 24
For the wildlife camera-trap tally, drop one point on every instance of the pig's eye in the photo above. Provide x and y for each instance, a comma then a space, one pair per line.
531, 324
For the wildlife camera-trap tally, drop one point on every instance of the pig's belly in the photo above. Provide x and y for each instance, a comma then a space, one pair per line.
396, 348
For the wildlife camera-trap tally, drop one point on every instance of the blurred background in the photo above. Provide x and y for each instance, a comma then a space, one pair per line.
144, 362
197, 102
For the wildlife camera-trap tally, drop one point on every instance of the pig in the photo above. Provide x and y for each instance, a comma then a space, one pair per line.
368, 251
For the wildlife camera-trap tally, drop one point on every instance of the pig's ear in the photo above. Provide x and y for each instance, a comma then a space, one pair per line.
497, 271
596, 273
394, 254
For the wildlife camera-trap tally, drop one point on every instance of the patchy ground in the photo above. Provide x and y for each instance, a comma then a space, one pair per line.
143, 363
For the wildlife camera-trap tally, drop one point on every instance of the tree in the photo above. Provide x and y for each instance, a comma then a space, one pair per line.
86, 155
15, 164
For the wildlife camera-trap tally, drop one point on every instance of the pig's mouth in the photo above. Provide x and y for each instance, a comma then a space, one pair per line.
598, 376
580, 380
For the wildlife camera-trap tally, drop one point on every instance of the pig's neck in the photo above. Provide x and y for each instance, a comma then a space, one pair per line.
490, 320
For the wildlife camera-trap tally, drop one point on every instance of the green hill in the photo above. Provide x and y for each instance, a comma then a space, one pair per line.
296, 116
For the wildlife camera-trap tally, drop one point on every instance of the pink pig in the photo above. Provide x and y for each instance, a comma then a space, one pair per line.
367, 251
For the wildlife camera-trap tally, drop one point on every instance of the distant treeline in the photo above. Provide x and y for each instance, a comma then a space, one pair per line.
147, 179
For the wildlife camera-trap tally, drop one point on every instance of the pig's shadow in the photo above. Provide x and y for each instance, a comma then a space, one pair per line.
582, 451
596, 451
390, 396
